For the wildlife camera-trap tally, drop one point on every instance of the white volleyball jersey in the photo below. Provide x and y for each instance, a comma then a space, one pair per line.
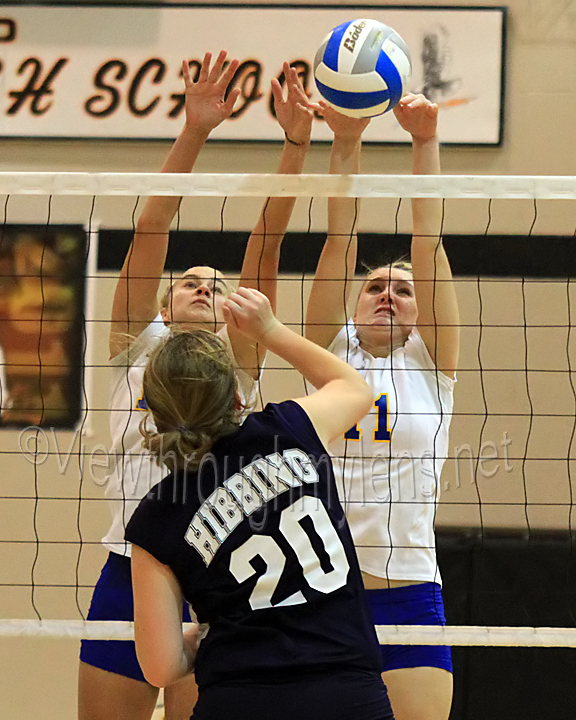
388, 466
134, 470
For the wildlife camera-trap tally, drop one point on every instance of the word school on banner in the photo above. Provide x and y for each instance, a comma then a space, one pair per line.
115, 71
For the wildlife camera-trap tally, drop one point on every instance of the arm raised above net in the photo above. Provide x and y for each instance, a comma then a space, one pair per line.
136, 296
438, 317
260, 266
339, 385
327, 305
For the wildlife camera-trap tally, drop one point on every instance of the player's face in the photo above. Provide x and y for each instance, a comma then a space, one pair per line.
197, 298
386, 311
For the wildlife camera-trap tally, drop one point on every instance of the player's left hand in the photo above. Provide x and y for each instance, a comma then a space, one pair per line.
249, 311
293, 113
343, 126
418, 116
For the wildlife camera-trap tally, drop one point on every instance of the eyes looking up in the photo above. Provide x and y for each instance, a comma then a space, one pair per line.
399, 287
215, 287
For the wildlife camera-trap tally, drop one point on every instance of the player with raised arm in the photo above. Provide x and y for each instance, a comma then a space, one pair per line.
249, 530
111, 683
403, 336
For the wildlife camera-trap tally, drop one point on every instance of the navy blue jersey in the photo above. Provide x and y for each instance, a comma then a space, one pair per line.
259, 543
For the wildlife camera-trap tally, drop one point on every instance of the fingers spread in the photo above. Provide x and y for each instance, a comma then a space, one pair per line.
205, 67
218, 65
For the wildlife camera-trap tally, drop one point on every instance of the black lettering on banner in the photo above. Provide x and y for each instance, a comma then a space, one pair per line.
179, 99
303, 69
247, 77
120, 69
7, 30
36, 89
159, 69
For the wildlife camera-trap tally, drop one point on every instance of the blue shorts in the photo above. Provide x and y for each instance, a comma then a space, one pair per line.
113, 600
420, 604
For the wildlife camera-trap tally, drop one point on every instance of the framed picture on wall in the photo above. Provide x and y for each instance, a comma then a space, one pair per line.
42, 339
115, 71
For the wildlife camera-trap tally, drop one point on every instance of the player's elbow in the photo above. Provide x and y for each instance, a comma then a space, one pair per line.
365, 397
158, 675
360, 396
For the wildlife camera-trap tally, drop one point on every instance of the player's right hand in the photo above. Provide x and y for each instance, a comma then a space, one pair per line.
249, 311
343, 126
418, 116
206, 104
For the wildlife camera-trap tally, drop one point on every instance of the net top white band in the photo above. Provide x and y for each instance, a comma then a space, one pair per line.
389, 634
274, 185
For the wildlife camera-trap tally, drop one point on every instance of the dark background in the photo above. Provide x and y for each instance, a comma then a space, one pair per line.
540, 256
510, 579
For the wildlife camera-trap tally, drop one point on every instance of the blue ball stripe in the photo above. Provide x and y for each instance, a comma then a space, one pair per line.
387, 70
352, 100
331, 53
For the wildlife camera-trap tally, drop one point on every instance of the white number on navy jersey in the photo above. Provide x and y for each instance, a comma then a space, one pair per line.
270, 552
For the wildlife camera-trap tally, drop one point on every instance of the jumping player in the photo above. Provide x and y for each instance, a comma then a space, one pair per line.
404, 339
111, 683
249, 530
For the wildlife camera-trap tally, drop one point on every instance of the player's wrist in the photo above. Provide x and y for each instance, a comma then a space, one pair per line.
425, 140
193, 132
296, 141
271, 333
347, 141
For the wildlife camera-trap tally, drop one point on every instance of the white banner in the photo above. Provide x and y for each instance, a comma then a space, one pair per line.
115, 72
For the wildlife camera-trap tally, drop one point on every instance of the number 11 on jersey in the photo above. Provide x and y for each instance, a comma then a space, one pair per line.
382, 430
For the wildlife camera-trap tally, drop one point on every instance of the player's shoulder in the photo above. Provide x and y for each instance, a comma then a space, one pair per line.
138, 348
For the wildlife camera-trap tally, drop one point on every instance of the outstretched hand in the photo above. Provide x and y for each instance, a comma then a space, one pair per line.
418, 116
343, 126
249, 312
206, 104
293, 113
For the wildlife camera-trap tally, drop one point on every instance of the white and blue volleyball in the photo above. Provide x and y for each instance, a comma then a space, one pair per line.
362, 68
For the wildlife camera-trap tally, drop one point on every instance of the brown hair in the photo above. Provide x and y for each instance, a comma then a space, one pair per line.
190, 389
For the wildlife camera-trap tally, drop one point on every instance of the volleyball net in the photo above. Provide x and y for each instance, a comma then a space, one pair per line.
63, 238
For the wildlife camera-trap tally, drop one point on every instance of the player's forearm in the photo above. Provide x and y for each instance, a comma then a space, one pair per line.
260, 266
158, 212
345, 154
426, 212
342, 212
277, 210
317, 365
336, 266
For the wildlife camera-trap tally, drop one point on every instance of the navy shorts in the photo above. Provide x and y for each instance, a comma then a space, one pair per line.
113, 600
420, 604
338, 696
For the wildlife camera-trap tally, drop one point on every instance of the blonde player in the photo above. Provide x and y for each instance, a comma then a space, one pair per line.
403, 337
111, 683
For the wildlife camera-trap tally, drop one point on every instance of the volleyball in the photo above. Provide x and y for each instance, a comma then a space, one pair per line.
362, 68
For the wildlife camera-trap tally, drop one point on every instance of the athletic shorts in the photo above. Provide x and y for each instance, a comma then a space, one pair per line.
113, 600
335, 696
420, 604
